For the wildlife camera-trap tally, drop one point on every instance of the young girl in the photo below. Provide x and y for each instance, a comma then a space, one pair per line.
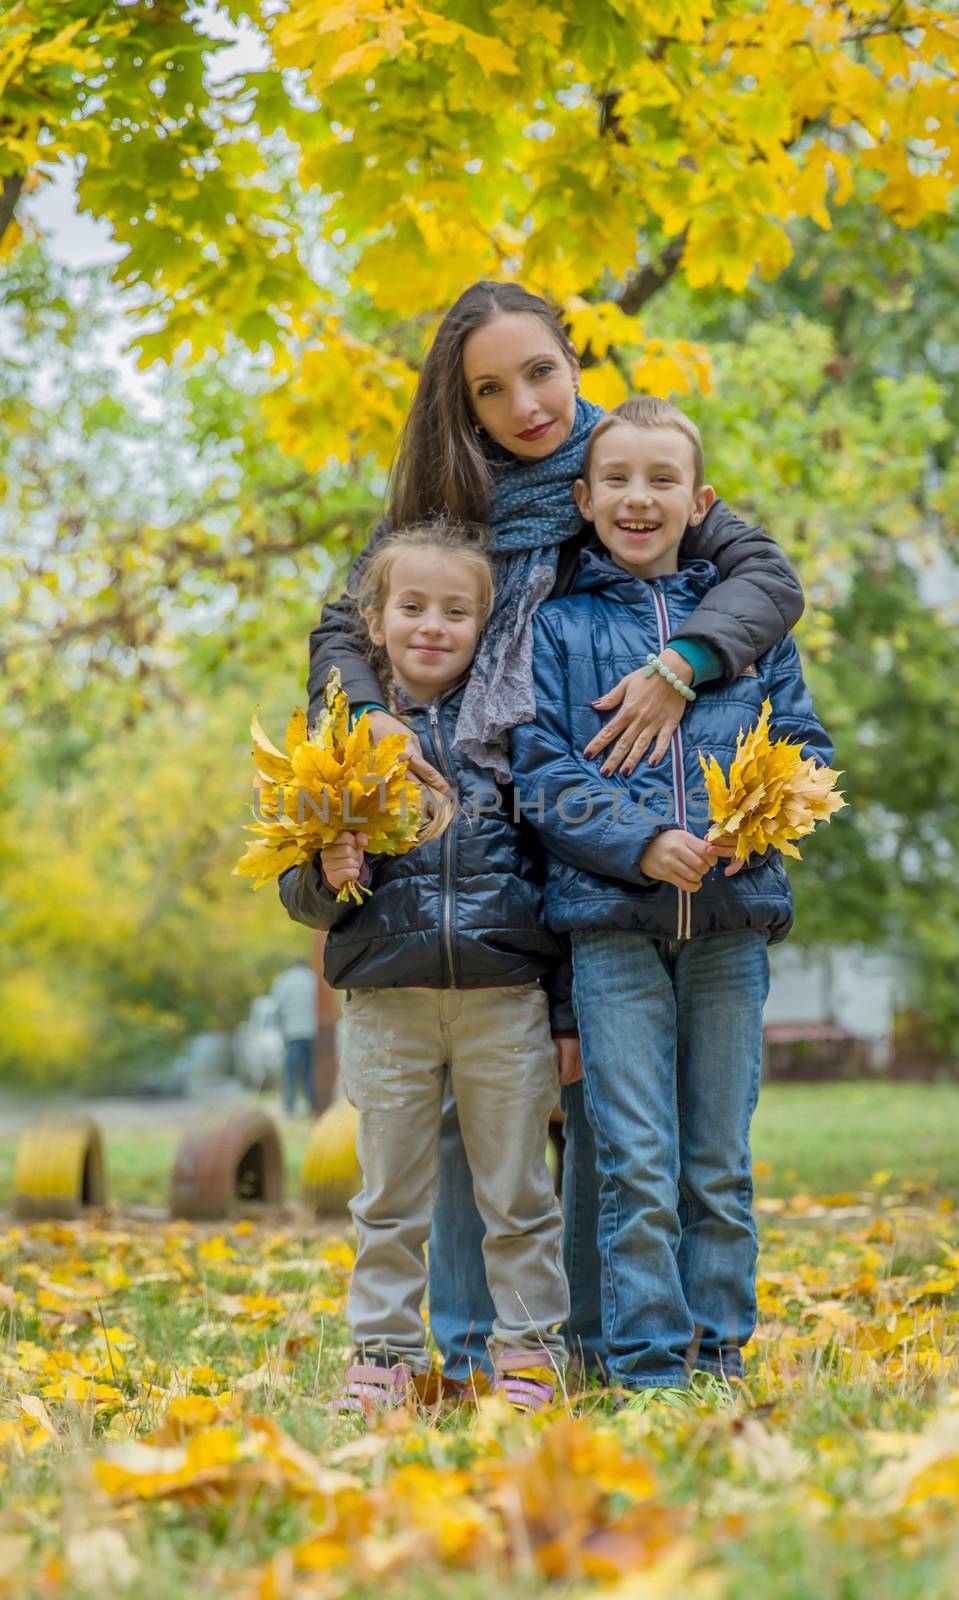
442, 967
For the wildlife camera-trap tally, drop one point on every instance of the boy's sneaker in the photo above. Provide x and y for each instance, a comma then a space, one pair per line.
367, 1390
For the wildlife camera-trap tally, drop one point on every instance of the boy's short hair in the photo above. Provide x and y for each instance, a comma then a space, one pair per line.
648, 411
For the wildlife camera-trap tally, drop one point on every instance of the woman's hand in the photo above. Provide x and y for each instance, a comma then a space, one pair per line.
342, 861
650, 711
381, 724
569, 1060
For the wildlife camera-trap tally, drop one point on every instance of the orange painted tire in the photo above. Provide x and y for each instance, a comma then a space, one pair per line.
331, 1170
227, 1165
60, 1169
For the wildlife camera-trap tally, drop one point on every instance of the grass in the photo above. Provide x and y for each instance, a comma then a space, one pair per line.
833, 1477
826, 1138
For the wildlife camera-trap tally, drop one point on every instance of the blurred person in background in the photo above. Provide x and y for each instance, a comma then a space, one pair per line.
294, 995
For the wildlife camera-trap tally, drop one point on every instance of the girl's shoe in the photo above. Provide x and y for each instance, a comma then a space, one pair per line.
367, 1390
527, 1378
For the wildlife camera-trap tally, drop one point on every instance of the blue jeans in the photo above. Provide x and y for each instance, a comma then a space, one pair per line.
672, 1044
461, 1311
298, 1073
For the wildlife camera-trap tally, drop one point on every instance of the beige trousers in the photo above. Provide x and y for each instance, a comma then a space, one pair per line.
398, 1045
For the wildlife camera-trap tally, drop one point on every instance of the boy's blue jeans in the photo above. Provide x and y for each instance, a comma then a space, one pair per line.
461, 1311
672, 1044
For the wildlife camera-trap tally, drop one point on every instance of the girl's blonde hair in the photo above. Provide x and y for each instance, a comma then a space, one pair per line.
468, 541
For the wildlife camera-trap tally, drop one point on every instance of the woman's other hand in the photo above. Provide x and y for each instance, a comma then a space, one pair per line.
569, 1060
650, 711
342, 861
382, 724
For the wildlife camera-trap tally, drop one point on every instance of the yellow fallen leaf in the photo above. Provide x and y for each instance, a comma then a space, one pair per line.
333, 780
771, 796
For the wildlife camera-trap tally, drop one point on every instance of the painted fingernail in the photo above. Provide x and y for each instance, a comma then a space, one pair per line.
606, 772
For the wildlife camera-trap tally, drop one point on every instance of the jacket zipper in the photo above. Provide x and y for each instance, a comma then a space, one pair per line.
446, 888
684, 921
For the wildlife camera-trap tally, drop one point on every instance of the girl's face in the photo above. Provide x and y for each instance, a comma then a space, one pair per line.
431, 622
521, 384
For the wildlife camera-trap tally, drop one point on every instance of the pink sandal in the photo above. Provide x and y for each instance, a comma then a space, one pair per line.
516, 1374
371, 1389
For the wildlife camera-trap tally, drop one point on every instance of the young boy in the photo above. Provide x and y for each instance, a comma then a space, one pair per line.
669, 944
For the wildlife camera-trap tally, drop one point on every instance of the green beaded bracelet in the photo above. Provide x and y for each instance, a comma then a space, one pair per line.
653, 664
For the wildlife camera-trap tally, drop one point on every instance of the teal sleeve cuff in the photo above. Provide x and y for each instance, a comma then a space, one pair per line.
367, 705
701, 656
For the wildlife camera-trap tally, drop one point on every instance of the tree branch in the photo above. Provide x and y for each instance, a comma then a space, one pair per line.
9, 195
652, 278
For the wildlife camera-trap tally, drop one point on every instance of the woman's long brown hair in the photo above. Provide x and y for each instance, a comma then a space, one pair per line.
440, 466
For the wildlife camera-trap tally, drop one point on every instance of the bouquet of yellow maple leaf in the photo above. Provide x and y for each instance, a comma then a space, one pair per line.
772, 796
334, 779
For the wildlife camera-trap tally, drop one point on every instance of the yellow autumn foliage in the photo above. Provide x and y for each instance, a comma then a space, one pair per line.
333, 779
772, 795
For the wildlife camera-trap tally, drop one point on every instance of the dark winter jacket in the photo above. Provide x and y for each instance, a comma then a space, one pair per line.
462, 911
583, 644
757, 600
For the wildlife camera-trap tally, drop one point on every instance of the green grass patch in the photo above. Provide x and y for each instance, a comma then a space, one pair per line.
833, 1137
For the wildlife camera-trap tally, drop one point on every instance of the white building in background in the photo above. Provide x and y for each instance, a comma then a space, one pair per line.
857, 988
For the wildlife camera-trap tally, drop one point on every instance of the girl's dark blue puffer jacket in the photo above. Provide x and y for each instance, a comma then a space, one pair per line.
596, 829
461, 911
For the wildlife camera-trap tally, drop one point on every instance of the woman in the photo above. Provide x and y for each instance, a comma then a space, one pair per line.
496, 435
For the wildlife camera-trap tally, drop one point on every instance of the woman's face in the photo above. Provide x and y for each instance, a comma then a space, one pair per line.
521, 385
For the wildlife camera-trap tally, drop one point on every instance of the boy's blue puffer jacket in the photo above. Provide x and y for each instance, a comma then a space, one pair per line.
582, 646
462, 911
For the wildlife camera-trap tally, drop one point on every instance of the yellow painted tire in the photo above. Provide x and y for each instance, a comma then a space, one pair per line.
60, 1169
331, 1170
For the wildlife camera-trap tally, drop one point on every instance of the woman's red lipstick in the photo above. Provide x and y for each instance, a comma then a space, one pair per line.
536, 433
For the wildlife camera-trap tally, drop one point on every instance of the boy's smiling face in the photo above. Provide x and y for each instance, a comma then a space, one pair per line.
641, 495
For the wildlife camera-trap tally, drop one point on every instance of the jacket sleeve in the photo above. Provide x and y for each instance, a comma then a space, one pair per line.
339, 640
308, 900
582, 818
759, 599
793, 716
558, 984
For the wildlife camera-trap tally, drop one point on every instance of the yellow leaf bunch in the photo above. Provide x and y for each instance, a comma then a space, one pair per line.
333, 780
772, 795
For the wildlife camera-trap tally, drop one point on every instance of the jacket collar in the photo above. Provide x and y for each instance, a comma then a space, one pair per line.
599, 573
407, 704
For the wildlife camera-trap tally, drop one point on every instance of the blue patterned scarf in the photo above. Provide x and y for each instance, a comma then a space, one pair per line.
533, 511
